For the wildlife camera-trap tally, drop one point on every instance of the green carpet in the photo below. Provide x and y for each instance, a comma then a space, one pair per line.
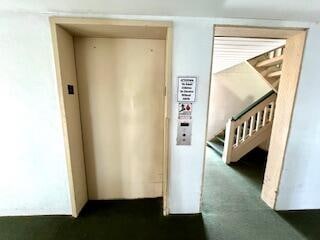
232, 208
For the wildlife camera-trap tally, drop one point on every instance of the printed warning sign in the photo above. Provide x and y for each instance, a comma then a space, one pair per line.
187, 89
185, 111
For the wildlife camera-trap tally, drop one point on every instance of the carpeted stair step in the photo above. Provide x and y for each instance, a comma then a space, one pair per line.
220, 139
216, 145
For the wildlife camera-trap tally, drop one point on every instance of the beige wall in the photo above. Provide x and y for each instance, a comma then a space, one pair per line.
231, 91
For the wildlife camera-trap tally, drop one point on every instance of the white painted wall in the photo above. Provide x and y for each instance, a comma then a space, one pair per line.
192, 46
300, 181
33, 171
271, 9
33, 177
232, 90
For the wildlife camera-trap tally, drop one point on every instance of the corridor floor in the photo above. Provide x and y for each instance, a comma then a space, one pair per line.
232, 208
106, 220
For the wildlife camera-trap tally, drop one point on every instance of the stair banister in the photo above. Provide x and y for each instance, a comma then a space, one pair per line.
238, 139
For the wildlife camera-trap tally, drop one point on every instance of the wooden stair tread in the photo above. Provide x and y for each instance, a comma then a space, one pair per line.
270, 62
274, 74
273, 80
269, 70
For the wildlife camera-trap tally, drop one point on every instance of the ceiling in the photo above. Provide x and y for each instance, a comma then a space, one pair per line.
230, 51
307, 10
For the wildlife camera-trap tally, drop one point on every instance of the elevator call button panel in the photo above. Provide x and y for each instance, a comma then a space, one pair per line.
184, 124
184, 133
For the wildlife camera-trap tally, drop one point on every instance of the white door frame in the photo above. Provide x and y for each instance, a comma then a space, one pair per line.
295, 41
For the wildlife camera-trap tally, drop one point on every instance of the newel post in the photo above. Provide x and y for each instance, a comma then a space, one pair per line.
229, 141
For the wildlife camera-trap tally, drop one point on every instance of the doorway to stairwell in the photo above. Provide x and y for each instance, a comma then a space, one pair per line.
243, 95
255, 72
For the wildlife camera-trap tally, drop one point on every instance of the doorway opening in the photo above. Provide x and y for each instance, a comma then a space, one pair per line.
255, 74
113, 78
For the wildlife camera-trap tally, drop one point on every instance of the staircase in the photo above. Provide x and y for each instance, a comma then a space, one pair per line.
217, 143
269, 66
252, 126
247, 130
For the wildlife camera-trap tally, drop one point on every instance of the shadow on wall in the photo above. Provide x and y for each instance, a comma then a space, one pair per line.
231, 91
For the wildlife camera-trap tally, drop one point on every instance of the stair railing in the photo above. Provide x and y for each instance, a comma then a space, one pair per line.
275, 52
250, 129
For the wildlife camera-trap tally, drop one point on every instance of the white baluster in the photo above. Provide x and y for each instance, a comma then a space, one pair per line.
244, 132
258, 121
251, 126
271, 54
271, 111
278, 52
238, 136
264, 118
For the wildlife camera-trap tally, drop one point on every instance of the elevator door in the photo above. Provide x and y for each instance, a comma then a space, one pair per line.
121, 92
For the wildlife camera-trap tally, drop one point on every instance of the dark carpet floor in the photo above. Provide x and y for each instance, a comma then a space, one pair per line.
132, 219
231, 209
